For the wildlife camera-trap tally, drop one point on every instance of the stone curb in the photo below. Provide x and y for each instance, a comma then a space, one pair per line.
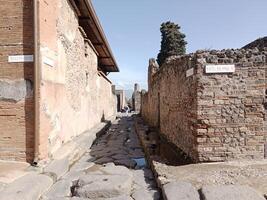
72, 151
138, 130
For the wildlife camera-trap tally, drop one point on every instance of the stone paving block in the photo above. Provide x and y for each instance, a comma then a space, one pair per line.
73, 175
83, 164
144, 194
103, 186
180, 191
230, 192
61, 188
116, 170
58, 167
28, 187
140, 179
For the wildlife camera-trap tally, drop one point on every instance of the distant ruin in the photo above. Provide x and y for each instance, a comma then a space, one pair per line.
136, 98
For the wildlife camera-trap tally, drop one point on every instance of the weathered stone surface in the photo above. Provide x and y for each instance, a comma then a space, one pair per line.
116, 170
106, 180
29, 187
84, 163
142, 179
230, 192
73, 175
61, 188
103, 186
180, 190
58, 167
15, 90
145, 194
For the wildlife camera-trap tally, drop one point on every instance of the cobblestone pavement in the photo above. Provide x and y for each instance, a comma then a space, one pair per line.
114, 168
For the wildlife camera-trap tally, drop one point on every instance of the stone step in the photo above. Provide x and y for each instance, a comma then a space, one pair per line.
181, 191
230, 192
103, 186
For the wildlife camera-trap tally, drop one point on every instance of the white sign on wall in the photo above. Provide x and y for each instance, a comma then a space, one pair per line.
20, 58
48, 61
210, 69
190, 72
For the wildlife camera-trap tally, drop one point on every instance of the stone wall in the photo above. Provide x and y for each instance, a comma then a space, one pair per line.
16, 81
75, 96
211, 117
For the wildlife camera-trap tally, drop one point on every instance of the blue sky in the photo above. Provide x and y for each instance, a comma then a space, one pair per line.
132, 29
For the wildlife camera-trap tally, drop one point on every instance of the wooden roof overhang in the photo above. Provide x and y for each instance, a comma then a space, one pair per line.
89, 21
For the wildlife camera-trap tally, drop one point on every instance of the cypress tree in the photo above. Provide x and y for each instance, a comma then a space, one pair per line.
172, 42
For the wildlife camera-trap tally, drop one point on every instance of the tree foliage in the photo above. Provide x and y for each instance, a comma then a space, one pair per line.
172, 41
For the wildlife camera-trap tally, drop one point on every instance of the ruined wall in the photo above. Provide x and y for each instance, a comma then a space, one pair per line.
230, 106
136, 98
171, 102
150, 101
16, 81
211, 117
74, 95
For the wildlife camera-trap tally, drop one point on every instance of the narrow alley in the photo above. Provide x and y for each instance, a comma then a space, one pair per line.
114, 168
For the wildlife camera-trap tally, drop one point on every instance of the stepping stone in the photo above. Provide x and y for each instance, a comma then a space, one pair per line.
103, 186
230, 192
181, 191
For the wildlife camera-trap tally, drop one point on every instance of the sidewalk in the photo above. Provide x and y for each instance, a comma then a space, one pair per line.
20, 181
236, 180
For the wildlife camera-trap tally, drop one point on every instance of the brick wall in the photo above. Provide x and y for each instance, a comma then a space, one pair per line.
16, 81
211, 117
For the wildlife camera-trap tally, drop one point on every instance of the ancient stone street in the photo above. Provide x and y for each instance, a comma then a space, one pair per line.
114, 168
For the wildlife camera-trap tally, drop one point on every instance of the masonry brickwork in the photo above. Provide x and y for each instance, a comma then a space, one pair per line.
211, 117
16, 81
